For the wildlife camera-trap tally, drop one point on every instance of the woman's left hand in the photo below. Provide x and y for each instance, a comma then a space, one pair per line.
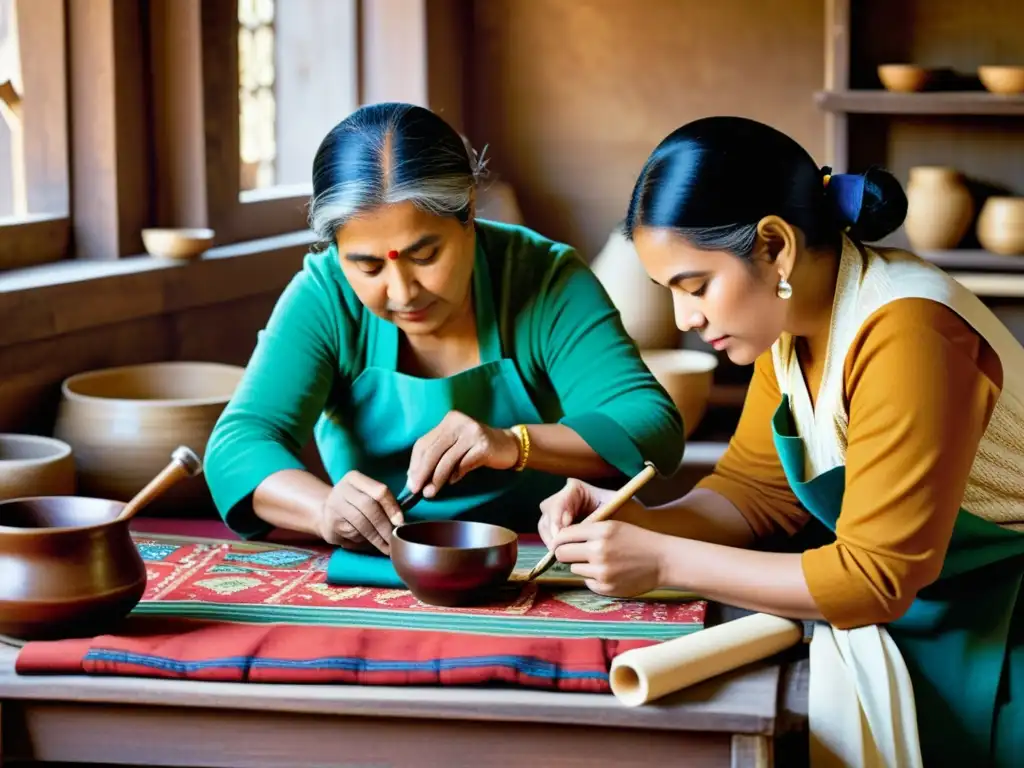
455, 447
616, 558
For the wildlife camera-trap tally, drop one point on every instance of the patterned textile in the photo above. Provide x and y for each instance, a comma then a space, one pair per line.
272, 583
221, 610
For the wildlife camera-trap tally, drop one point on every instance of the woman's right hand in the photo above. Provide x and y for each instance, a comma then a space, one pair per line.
359, 511
573, 503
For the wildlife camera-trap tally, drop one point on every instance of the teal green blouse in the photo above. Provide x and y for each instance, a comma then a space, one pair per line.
557, 324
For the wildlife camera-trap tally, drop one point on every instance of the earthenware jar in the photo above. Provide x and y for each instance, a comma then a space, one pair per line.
31, 465
67, 567
123, 423
645, 307
1001, 225
939, 208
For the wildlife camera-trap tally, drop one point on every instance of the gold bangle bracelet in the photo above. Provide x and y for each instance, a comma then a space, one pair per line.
523, 436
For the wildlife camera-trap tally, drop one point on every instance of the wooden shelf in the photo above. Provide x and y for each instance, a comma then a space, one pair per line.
972, 260
880, 102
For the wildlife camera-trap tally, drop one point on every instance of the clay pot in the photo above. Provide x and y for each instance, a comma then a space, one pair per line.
67, 569
939, 208
31, 465
687, 375
123, 423
454, 562
497, 202
1001, 225
646, 308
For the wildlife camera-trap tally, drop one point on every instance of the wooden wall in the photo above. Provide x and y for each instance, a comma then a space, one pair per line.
31, 372
572, 95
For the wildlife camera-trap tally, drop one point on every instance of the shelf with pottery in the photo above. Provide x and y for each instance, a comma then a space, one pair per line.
881, 102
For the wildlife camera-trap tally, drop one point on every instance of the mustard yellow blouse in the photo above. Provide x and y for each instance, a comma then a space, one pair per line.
920, 387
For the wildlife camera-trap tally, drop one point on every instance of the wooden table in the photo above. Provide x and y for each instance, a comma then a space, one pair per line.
733, 721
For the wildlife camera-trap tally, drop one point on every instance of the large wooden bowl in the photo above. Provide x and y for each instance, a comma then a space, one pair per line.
124, 422
687, 376
67, 567
454, 562
31, 465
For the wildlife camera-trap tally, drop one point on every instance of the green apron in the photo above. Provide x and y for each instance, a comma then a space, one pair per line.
962, 638
386, 412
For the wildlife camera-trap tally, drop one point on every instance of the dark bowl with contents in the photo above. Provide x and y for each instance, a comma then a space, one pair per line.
454, 562
68, 567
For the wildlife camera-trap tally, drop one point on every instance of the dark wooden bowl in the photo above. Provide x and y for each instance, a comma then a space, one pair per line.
67, 568
454, 562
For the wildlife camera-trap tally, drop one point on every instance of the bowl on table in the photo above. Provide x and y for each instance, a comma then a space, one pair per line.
454, 562
123, 423
905, 78
31, 465
68, 568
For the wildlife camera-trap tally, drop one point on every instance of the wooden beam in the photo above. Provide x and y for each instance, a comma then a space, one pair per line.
110, 152
176, 42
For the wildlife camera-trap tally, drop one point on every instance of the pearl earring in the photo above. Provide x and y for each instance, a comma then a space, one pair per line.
783, 290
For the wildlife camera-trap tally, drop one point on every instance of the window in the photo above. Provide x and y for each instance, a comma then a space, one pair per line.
276, 76
34, 188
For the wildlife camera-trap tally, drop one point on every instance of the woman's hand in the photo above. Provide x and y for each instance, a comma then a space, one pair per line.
359, 511
574, 502
456, 447
616, 558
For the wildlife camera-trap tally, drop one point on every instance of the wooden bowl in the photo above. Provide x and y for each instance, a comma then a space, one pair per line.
904, 78
124, 422
31, 465
454, 562
687, 376
177, 243
1004, 80
1000, 226
67, 568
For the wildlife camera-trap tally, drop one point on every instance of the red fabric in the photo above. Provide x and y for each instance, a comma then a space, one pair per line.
300, 654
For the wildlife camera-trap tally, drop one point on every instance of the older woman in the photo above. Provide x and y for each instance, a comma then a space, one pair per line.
476, 362
882, 431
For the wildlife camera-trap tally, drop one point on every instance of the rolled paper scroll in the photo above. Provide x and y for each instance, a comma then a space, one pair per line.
645, 674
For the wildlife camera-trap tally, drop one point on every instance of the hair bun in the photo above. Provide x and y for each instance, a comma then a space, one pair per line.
868, 205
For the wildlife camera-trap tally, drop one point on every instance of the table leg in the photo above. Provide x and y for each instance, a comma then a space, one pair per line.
751, 751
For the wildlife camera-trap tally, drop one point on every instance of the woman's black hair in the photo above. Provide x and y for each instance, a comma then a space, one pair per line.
391, 153
714, 179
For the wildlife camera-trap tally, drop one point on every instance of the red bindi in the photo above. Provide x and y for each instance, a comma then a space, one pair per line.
393, 255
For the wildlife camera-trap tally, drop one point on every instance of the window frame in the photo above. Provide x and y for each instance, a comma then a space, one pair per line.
42, 167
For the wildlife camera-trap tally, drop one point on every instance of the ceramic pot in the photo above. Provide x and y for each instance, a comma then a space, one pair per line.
1001, 225
123, 423
497, 202
67, 568
31, 465
646, 308
904, 78
454, 562
1002, 79
939, 208
687, 375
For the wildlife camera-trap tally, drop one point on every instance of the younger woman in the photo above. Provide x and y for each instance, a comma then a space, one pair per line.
883, 430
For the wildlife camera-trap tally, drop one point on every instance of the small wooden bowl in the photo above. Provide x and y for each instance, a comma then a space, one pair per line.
454, 562
31, 465
181, 244
904, 78
69, 567
1002, 79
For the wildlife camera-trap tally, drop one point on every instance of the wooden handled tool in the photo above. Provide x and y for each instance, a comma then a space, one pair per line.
184, 463
623, 495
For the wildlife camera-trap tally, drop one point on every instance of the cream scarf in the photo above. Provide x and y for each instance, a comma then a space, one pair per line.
861, 701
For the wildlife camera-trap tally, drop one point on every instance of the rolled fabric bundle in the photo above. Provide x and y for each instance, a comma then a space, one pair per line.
642, 675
